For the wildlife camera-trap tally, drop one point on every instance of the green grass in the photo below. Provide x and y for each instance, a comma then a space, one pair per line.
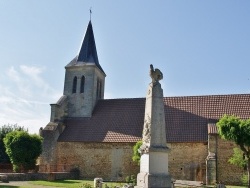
74, 184
62, 183
70, 183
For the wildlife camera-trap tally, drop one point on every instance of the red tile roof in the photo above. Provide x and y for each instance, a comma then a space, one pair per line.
187, 118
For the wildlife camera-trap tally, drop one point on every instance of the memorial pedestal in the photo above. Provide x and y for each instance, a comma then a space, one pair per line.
154, 151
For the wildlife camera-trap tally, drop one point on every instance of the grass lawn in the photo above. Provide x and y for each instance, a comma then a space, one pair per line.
71, 183
63, 183
60, 184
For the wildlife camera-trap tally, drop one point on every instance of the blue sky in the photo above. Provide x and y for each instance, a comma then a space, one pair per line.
202, 48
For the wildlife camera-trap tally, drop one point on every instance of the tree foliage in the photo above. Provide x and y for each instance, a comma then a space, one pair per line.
136, 155
23, 149
5, 129
237, 130
238, 158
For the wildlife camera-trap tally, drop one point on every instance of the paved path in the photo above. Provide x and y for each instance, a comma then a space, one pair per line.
23, 183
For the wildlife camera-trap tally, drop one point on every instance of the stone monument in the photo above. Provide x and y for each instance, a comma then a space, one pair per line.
154, 151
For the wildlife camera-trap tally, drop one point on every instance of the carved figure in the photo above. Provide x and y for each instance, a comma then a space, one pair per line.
155, 74
146, 131
143, 149
146, 135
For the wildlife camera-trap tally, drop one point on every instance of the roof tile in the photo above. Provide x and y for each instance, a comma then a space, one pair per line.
187, 118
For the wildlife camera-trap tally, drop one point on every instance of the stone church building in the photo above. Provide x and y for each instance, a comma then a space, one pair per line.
96, 135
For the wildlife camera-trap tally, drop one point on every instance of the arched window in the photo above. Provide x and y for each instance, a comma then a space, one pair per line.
100, 89
82, 84
97, 88
74, 85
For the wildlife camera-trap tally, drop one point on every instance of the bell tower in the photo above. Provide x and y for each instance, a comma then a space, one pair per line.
83, 87
84, 79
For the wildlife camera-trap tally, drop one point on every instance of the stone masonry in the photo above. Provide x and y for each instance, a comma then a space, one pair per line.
186, 160
82, 104
154, 150
111, 161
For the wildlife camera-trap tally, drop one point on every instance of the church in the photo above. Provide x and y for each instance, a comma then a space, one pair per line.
97, 135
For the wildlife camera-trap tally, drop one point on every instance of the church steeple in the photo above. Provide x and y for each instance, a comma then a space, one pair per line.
84, 78
88, 52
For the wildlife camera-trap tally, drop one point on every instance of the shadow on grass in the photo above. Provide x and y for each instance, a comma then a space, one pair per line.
8, 186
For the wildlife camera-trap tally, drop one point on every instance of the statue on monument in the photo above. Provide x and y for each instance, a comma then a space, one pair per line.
154, 150
155, 74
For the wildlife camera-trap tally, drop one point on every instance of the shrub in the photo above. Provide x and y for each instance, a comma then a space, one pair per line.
136, 155
23, 149
244, 179
4, 130
86, 185
131, 179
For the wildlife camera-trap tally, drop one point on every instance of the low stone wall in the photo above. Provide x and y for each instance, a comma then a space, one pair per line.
111, 161
6, 168
40, 176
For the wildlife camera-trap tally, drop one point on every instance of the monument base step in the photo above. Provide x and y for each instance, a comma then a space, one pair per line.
146, 180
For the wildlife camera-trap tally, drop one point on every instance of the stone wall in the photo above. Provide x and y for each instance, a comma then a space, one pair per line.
82, 104
187, 161
227, 173
111, 161
50, 135
59, 110
39, 176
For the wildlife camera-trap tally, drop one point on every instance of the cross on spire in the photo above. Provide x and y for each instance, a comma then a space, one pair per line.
90, 12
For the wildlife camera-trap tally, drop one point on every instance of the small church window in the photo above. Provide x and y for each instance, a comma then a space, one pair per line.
97, 88
74, 85
82, 84
100, 89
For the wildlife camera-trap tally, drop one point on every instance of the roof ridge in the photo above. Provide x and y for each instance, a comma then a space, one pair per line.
124, 98
191, 96
215, 95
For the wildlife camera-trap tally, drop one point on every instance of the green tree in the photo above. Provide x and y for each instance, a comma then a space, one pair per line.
136, 155
238, 158
5, 129
234, 129
23, 149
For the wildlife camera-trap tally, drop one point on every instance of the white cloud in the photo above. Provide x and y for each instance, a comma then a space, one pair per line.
32, 71
25, 97
20, 83
34, 75
13, 74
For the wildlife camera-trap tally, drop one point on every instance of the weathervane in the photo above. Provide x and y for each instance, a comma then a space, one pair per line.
90, 12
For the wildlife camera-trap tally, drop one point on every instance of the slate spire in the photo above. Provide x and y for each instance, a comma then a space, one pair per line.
88, 52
